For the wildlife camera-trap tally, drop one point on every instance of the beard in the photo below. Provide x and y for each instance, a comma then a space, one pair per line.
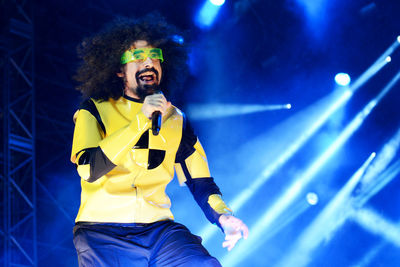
143, 90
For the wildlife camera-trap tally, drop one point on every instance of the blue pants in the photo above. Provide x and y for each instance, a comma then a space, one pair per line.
164, 243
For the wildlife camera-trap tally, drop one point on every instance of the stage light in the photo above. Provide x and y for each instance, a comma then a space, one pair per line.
382, 60
217, 2
206, 15
177, 39
324, 109
385, 156
307, 123
328, 221
312, 198
388, 59
289, 106
293, 191
212, 111
342, 79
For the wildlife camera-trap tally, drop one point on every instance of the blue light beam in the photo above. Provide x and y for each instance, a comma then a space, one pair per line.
376, 185
330, 104
299, 184
311, 238
326, 223
385, 156
370, 255
212, 111
376, 224
207, 15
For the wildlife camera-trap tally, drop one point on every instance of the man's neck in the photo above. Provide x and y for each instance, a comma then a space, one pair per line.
131, 94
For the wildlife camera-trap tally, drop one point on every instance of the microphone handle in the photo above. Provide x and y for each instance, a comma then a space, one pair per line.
156, 122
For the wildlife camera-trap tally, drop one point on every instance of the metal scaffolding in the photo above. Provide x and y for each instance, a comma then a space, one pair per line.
18, 178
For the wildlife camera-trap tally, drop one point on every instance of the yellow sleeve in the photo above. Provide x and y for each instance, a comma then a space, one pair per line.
195, 172
116, 145
88, 134
196, 165
218, 205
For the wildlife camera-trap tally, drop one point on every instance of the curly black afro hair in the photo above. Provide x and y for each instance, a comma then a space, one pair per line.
101, 54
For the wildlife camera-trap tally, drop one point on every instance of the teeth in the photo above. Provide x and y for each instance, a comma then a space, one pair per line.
146, 78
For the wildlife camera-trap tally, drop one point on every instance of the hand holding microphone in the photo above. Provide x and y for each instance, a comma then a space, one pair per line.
154, 106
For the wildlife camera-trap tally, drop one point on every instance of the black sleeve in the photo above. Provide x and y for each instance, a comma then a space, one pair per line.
201, 188
99, 163
189, 139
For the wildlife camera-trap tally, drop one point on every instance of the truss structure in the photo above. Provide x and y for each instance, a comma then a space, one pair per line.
18, 177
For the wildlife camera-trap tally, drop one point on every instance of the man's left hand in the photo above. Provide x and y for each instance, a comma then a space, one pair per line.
234, 230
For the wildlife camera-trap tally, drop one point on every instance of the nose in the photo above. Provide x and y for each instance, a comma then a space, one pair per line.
148, 63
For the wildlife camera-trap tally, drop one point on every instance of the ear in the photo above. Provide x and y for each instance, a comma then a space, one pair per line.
121, 74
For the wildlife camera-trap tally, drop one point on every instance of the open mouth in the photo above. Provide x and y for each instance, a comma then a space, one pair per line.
148, 77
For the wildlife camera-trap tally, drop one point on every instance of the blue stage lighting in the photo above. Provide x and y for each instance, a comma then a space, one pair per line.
290, 195
377, 224
312, 198
327, 222
177, 39
217, 2
207, 14
332, 216
342, 79
333, 102
385, 156
212, 111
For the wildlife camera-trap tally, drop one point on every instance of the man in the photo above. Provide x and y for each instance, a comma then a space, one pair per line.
125, 218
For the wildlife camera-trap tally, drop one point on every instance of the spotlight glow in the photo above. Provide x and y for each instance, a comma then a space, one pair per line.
342, 79
331, 217
178, 39
329, 109
312, 198
212, 111
207, 15
217, 2
292, 192
311, 120
385, 156
388, 59
398, 39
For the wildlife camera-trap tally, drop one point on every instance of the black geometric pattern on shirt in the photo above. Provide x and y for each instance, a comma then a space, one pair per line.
156, 156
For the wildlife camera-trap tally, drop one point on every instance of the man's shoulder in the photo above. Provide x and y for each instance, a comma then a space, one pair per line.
177, 111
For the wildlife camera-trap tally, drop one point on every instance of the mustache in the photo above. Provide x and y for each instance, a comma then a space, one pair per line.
147, 70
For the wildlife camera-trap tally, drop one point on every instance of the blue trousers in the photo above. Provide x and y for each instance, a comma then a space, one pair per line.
163, 243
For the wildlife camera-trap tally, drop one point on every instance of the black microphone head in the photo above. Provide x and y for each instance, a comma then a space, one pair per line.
156, 122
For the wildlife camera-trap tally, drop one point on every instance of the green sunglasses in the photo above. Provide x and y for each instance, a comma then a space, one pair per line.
141, 54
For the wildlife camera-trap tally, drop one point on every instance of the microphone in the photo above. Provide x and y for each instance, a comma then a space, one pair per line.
156, 118
156, 122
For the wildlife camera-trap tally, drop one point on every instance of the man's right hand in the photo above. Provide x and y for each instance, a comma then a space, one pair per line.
155, 102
